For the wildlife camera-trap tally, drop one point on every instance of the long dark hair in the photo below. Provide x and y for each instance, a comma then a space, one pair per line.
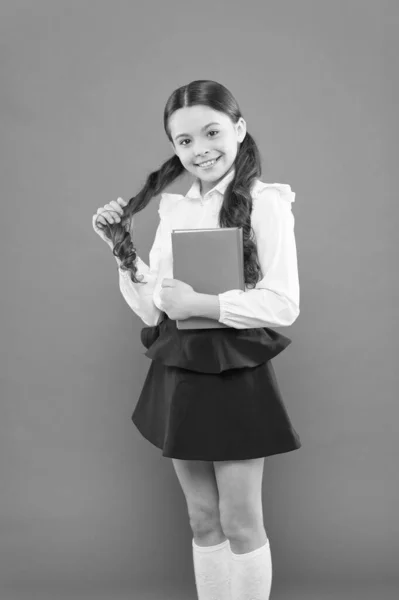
237, 203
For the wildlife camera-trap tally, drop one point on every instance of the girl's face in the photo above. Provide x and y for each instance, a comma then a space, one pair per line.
200, 133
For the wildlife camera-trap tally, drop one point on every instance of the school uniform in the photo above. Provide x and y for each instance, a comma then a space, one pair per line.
213, 394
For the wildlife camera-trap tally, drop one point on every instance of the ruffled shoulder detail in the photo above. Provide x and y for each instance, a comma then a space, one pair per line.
168, 204
283, 189
211, 351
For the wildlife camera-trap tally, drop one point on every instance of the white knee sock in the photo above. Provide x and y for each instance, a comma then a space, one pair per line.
251, 574
212, 571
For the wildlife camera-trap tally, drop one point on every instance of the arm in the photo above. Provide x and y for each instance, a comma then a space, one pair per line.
274, 302
138, 296
205, 305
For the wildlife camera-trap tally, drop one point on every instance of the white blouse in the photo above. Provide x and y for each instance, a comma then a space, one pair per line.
273, 302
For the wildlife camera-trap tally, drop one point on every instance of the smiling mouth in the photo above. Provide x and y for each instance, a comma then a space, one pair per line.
206, 161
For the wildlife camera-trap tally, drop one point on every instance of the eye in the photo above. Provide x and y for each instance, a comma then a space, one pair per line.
212, 131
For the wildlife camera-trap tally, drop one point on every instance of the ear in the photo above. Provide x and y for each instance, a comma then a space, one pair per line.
241, 129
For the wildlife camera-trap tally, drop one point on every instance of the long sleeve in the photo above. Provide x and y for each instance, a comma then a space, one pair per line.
138, 296
274, 302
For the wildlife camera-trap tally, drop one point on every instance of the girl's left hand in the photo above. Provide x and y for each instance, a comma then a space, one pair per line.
177, 298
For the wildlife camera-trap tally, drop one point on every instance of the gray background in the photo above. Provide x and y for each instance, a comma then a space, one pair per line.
87, 505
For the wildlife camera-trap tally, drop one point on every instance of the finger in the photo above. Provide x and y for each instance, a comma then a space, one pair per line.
116, 207
122, 201
108, 217
108, 213
98, 218
116, 218
101, 220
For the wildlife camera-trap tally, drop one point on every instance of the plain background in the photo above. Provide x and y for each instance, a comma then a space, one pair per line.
86, 503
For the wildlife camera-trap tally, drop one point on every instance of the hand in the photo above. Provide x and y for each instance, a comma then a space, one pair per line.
177, 298
108, 215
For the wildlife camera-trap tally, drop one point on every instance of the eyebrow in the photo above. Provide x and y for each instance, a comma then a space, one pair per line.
203, 128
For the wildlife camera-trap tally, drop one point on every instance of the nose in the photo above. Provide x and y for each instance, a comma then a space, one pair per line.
201, 154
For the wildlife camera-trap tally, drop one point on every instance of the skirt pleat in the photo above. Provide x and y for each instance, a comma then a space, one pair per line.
212, 394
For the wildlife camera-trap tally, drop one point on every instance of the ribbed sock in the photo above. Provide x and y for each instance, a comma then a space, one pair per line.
212, 571
251, 574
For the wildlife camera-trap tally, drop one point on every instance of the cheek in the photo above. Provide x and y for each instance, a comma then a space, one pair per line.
184, 157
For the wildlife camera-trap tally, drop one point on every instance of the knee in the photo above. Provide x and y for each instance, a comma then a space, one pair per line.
204, 521
238, 523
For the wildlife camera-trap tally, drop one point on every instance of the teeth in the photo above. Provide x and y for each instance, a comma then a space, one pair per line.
206, 164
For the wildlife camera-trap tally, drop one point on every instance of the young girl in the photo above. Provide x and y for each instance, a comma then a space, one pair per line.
211, 401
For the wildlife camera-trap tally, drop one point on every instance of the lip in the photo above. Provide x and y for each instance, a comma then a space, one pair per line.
217, 158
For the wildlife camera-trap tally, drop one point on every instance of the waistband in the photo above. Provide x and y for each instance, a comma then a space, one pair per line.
211, 350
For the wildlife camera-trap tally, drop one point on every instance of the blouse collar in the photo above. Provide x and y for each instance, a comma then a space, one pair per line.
194, 191
284, 189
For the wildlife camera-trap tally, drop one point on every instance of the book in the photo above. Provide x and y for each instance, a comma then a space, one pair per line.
212, 262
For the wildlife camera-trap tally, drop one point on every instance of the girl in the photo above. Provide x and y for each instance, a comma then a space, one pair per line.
211, 401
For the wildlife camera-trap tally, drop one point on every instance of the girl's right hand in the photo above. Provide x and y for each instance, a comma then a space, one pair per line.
108, 215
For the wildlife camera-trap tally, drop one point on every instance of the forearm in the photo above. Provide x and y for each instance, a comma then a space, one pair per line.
205, 305
138, 296
258, 308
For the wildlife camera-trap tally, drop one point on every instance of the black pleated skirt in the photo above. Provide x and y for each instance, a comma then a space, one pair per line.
212, 394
